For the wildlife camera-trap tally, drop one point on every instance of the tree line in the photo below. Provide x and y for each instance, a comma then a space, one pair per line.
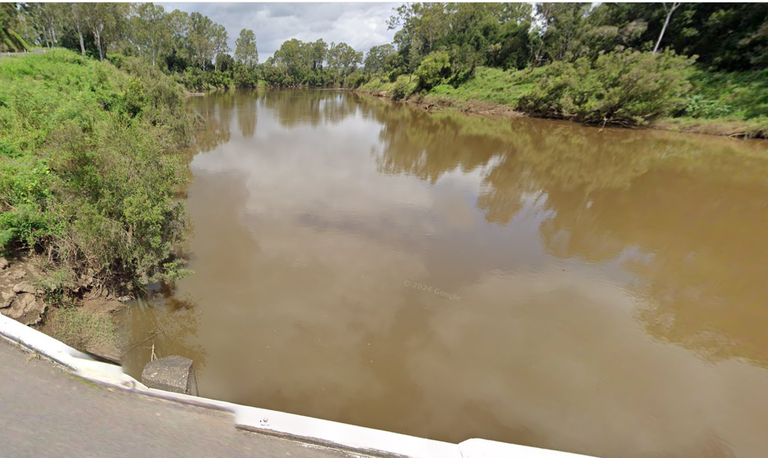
450, 39
725, 36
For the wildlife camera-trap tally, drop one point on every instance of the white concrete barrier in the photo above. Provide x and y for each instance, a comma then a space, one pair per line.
296, 427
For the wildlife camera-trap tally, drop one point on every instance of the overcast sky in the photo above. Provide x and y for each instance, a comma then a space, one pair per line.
360, 25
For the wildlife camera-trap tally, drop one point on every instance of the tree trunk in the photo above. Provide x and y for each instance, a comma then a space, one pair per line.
79, 28
666, 23
82, 43
97, 36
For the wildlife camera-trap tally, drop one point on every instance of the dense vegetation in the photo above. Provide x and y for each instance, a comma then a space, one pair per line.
598, 63
88, 173
10, 40
626, 64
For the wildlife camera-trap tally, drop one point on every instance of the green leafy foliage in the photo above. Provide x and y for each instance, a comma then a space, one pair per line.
88, 171
435, 68
402, 88
626, 88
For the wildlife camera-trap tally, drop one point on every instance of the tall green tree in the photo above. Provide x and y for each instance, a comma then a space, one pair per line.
245, 49
343, 59
105, 21
219, 40
78, 22
201, 40
151, 31
379, 59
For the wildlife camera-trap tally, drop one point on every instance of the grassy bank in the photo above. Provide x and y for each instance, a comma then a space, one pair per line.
729, 104
88, 170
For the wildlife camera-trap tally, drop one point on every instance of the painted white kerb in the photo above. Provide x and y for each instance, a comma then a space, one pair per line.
299, 427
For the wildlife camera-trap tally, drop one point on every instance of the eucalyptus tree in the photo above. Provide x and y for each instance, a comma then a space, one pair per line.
669, 9
219, 41
379, 59
78, 21
105, 21
246, 52
151, 31
200, 40
343, 59
319, 54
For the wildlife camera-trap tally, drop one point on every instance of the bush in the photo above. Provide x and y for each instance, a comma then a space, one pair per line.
433, 69
89, 173
698, 107
355, 79
402, 88
244, 78
625, 88
197, 80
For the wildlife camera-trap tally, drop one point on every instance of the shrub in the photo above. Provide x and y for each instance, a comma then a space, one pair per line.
402, 88
88, 173
698, 107
355, 79
244, 78
433, 69
626, 88
57, 285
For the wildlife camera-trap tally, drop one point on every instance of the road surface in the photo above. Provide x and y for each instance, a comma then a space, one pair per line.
47, 412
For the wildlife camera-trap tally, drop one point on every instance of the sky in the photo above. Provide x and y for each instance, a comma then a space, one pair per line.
360, 25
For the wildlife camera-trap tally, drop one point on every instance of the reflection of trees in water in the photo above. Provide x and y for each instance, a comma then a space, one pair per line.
313, 107
688, 213
427, 146
246, 112
216, 112
167, 324
700, 250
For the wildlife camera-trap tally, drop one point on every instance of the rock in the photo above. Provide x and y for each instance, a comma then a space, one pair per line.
24, 287
16, 275
6, 299
174, 373
3, 263
25, 309
125, 299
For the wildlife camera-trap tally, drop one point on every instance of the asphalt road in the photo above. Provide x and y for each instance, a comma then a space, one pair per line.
47, 412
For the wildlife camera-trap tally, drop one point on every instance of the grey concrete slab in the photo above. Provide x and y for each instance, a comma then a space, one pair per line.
47, 412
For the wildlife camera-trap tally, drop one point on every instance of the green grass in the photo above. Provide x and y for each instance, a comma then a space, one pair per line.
725, 104
87, 164
740, 96
80, 329
718, 103
487, 84
491, 85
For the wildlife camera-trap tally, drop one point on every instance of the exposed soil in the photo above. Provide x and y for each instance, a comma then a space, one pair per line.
22, 298
432, 104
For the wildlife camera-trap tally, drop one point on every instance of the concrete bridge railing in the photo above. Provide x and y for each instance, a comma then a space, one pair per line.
297, 427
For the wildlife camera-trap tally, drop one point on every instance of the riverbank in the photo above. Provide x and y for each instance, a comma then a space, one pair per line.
731, 105
85, 321
90, 167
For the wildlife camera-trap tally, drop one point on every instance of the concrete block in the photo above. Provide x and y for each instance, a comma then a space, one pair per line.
174, 373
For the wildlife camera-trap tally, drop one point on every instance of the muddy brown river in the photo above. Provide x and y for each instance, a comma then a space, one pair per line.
599, 291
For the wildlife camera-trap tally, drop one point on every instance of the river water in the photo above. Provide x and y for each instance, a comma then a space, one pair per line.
600, 291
